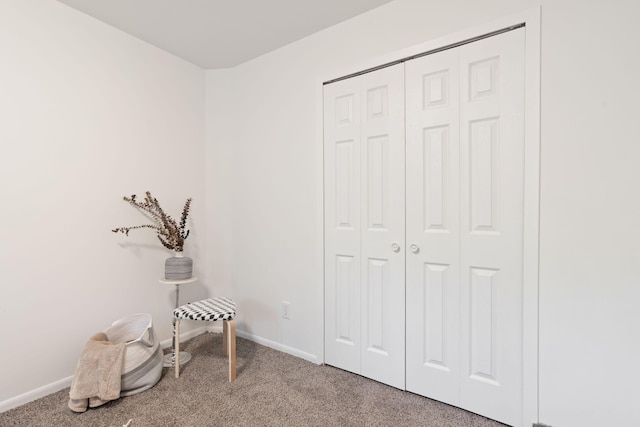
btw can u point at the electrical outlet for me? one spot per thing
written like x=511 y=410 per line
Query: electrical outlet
x=285 y=310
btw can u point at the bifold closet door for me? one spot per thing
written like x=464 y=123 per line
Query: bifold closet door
x=433 y=226
x=465 y=190
x=364 y=225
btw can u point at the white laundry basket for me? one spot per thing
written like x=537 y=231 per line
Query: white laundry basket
x=142 y=365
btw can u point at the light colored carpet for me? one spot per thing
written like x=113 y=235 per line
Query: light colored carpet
x=272 y=389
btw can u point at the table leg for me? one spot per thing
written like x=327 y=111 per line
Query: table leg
x=184 y=357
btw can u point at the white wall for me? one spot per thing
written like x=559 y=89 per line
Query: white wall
x=220 y=124
x=590 y=214
x=590 y=231
x=87 y=115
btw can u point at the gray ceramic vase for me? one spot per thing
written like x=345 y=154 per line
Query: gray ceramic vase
x=178 y=267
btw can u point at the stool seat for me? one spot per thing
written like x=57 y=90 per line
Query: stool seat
x=210 y=310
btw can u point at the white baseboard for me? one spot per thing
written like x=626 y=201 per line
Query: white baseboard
x=271 y=344
x=215 y=328
x=32 y=395
x=280 y=347
x=45 y=390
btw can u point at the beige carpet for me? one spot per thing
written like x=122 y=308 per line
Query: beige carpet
x=272 y=389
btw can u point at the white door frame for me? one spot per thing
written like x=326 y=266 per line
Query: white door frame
x=531 y=19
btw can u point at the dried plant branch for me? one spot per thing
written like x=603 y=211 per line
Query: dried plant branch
x=171 y=234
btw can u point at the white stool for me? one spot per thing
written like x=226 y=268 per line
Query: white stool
x=210 y=310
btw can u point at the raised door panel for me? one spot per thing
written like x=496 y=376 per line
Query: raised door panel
x=492 y=191
x=433 y=226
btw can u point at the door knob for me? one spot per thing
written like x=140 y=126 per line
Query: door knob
x=395 y=247
x=414 y=248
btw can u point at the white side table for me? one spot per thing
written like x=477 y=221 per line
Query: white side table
x=170 y=359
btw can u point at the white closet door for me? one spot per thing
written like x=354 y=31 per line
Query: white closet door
x=492 y=194
x=433 y=223
x=383 y=226
x=465 y=183
x=364 y=225
x=342 y=224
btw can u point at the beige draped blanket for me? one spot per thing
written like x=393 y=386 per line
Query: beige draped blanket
x=98 y=374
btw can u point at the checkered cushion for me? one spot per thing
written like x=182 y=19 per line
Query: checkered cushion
x=210 y=309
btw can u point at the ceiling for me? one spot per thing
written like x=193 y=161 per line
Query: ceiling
x=221 y=33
